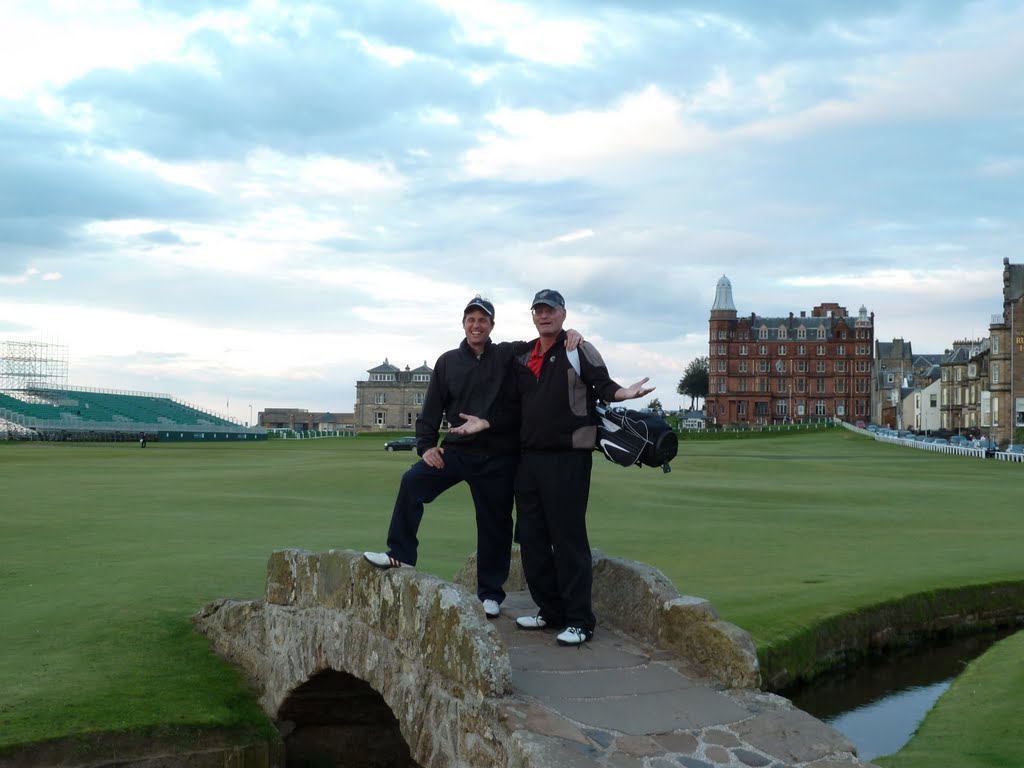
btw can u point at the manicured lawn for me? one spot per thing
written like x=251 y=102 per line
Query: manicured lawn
x=106 y=550
x=977 y=723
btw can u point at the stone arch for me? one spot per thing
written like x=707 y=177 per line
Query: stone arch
x=422 y=644
x=334 y=718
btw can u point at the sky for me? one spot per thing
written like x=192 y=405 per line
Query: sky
x=250 y=204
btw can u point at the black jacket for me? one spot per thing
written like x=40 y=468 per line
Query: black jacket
x=465 y=383
x=557 y=409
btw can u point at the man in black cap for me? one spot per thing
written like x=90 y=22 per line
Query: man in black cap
x=467 y=380
x=557 y=439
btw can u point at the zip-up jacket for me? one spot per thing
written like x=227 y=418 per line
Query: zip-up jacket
x=465 y=383
x=557 y=408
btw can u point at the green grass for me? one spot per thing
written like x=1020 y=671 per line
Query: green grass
x=977 y=722
x=106 y=550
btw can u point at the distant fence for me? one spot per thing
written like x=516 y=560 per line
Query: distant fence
x=956 y=450
x=306 y=434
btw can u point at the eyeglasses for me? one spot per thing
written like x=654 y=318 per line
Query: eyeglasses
x=544 y=309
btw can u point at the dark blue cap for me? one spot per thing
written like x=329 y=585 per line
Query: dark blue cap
x=479 y=302
x=549 y=297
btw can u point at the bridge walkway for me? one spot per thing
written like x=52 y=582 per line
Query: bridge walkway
x=618 y=702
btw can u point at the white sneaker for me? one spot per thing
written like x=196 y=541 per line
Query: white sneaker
x=574 y=636
x=531 y=622
x=491 y=609
x=384 y=560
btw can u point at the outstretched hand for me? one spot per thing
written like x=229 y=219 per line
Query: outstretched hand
x=470 y=425
x=635 y=390
x=573 y=339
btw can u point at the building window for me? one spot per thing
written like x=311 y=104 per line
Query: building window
x=743 y=349
x=840 y=407
x=762 y=366
x=743 y=366
x=721 y=349
x=890 y=378
x=780 y=386
x=763 y=332
x=819 y=407
x=801 y=350
x=419 y=398
x=408 y=418
x=801 y=407
x=382 y=377
x=821 y=350
x=380 y=398
x=741 y=409
x=782 y=349
x=801 y=333
x=933 y=400
x=781 y=408
x=762 y=350
x=721 y=385
x=840 y=366
x=801 y=366
x=959 y=374
x=761 y=408
x=841 y=350
x=819 y=386
x=782 y=332
x=801 y=385
x=862 y=349
x=721 y=335
x=379 y=418
x=995 y=344
x=743 y=385
x=972 y=371
x=841 y=386
x=821 y=332
x=820 y=366
x=995 y=373
x=862 y=366
x=421 y=377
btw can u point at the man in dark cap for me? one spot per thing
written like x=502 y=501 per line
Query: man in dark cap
x=467 y=380
x=557 y=439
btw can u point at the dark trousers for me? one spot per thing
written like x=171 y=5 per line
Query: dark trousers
x=490 y=480
x=552 y=490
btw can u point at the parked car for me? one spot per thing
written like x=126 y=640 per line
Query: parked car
x=960 y=440
x=401 y=444
x=861 y=425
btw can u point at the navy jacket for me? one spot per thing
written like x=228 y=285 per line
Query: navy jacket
x=465 y=383
x=557 y=409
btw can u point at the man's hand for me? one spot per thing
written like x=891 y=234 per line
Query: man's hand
x=573 y=339
x=635 y=391
x=470 y=425
x=434 y=457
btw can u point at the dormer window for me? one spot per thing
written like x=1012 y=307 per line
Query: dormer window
x=782 y=332
x=821 y=332
x=763 y=332
x=801 y=333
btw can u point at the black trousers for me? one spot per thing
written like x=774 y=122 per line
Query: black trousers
x=552 y=490
x=490 y=480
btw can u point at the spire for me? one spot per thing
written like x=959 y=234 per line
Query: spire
x=723 y=295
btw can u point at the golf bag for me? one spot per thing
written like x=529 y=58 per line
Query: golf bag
x=631 y=437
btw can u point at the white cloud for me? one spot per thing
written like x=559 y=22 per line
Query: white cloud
x=531 y=144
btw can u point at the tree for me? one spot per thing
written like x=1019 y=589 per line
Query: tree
x=655 y=405
x=694 y=383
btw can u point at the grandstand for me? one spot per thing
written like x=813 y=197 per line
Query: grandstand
x=36 y=403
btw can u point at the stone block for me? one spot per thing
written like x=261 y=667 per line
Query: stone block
x=630 y=594
x=516 y=581
x=335 y=578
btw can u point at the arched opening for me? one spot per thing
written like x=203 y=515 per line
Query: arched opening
x=336 y=719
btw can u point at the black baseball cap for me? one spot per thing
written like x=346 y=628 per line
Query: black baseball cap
x=479 y=302
x=549 y=297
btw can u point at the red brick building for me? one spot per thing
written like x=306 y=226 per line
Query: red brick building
x=772 y=370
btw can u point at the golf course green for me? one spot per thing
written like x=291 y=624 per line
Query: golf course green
x=106 y=550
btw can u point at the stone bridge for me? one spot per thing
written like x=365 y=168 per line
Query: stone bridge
x=363 y=667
